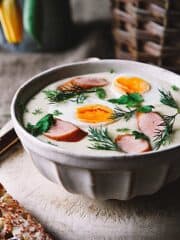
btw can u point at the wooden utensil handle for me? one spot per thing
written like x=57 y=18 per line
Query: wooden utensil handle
x=8 y=137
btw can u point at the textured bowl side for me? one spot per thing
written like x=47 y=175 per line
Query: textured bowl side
x=108 y=177
x=119 y=184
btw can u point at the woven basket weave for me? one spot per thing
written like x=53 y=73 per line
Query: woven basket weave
x=148 y=31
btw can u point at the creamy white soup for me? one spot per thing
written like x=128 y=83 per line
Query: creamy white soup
x=106 y=113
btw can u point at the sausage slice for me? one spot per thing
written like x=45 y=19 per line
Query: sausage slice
x=149 y=123
x=65 y=131
x=127 y=143
x=89 y=82
x=84 y=83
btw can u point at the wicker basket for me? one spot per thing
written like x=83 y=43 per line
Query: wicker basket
x=148 y=31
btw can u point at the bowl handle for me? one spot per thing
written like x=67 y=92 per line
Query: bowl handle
x=8 y=137
x=93 y=59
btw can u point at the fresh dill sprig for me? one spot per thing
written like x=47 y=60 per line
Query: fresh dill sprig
x=120 y=113
x=133 y=103
x=123 y=130
x=76 y=93
x=163 y=135
x=37 y=111
x=53 y=144
x=167 y=99
x=101 y=139
x=135 y=133
x=80 y=98
x=140 y=135
x=58 y=96
x=169 y=121
x=57 y=113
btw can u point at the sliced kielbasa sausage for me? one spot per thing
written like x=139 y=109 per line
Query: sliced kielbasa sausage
x=150 y=123
x=127 y=143
x=65 y=131
x=84 y=83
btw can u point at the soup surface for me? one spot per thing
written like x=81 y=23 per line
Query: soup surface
x=106 y=113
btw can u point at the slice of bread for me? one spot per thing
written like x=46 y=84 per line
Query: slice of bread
x=16 y=223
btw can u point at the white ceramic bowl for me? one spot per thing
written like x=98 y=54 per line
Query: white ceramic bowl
x=103 y=177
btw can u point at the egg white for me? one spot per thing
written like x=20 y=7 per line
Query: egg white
x=150 y=97
x=68 y=110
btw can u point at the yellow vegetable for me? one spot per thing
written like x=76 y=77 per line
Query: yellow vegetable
x=11 y=21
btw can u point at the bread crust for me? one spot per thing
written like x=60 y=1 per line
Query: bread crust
x=16 y=223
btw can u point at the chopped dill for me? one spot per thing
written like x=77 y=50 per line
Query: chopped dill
x=101 y=140
x=37 y=111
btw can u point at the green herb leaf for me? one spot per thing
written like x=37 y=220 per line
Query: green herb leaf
x=111 y=70
x=101 y=93
x=122 y=100
x=175 y=88
x=37 y=111
x=119 y=113
x=145 y=109
x=101 y=139
x=130 y=100
x=136 y=97
x=167 y=99
x=80 y=98
x=57 y=113
x=163 y=136
x=133 y=100
x=140 y=135
x=58 y=96
x=123 y=130
x=51 y=143
x=77 y=94
x=41 y=126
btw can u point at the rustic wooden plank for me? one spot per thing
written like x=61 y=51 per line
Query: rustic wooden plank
x=72 y=217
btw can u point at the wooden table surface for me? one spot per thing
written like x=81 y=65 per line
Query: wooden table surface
x=72 y=217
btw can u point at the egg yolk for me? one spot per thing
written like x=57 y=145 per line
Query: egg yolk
x=94 y=113
x=131 y=84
